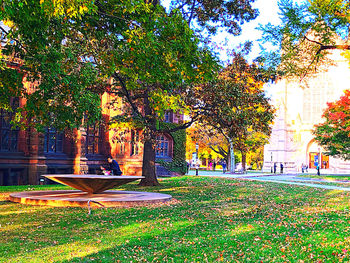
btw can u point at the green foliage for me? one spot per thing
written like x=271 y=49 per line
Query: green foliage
x=210 y=16
x=11 y=78
x=38 y=44
x=239 y=108
x=307 y=34
x=178 y=163
x=158 y=64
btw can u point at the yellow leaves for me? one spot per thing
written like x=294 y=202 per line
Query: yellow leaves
x=8 y=23
x=250 y=80
x=121 y=125
x=68 y=8
x=83 y=9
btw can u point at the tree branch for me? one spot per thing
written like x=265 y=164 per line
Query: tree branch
x=126 y=93
x=192 y=12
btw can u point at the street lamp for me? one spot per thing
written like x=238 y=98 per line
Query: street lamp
x=197 y=147
x=319 y=164
x=232 y=156
x=271 y=163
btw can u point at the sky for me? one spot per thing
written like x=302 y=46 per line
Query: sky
x=268 y=10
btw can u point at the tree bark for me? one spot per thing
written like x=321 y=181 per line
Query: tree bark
x=149 y=153
x=149 y=164
x=244 y=157
x=228 y=160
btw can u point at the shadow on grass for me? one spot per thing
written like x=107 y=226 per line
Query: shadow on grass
x=5 y=202
x=215 y=220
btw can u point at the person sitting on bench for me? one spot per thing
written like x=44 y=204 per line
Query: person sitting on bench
x=113 y=167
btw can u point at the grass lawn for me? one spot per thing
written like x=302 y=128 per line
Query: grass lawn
x=211 y=219
x=327 y=177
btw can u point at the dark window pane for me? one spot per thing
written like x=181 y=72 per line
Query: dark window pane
x=14 y=139
x=53 y=142
x=162 y=149
x=4 y=140
x=92 y=139
x=5 y=123
x=59 y=142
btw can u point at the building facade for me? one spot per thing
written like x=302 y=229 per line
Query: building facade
x=300 y=105
x=27 y=154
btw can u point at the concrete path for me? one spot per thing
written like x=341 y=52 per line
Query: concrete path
x=292 y=179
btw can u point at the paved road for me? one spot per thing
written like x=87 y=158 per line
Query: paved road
x=282 y=179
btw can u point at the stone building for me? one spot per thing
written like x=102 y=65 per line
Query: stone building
x=300 y=105
x=27 y=154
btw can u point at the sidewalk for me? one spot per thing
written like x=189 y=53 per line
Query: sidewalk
x=292 y=179
x=219 y=173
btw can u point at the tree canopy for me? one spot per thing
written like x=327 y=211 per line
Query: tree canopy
x=72 y=53
x=308 y=32
x=38 y=47
x=334 y=133
x=239 y=108
x=212 y=15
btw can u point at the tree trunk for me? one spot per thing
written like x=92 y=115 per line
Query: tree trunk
x=148 y=164
x=229 y=163
x=227 y=160
x=244 y=157
x=149 y=153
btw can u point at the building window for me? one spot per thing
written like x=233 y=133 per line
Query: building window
x=53 y=141
x=162 y=149
x=8 y=133
x=122 y=148
x=168 y=116
x=93 y=139
x=135 y=139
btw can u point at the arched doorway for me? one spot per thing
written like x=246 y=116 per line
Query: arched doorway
x=315 y=156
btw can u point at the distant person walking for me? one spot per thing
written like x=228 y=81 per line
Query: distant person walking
x=214 y=165
x=281 y=165
x=210 y=166
x=274 y=167
x=318 y=169
x=223 y=167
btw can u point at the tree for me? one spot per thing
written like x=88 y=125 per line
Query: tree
x=212 y=15
x=59 y=86
x=256 y=158
x=307 y=34
x=157 y=67
x=151 y=58
x=334 y=133
x=239 y=109
x=73 y=50
x=210 y=141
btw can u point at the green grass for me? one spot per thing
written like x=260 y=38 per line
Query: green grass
x=327 y=177
x=209 y=220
